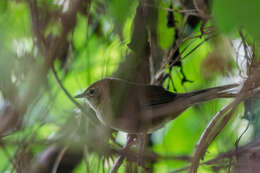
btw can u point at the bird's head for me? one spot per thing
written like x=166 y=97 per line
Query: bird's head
x=98 y=98
x=96 y=93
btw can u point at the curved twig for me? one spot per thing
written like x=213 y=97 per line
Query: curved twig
x=58 y=160
x=215 y=126
x=91 y=118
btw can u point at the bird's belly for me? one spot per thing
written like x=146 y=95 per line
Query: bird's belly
x=132 y=120
x=136 y=124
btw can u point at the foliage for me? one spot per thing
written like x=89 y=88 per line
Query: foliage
x=53 y=50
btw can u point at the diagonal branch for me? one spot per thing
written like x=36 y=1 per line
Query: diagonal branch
x=90 y=115
x=216 y=125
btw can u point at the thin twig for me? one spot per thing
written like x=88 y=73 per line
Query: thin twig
x=239 y=138
x=120 y=159
x=188 y=11
x=92 y=119
x=212 y=130
x=117 y=164
x=174 y=49
x=199 y=8
x=58 y=160
x=215 y=126
x=197 y=46
x=252 y=148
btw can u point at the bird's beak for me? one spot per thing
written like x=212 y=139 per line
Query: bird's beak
x=79 y=96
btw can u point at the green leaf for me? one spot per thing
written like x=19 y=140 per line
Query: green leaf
x=233 y=14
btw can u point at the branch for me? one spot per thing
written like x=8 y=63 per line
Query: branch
x=202 y=8
x=120 y=159
x=117 y=164
x=215 y=126
x=92 y=117
x=249 y=148
x=58 y=159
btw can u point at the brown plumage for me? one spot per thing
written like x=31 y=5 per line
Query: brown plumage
x=136 y=108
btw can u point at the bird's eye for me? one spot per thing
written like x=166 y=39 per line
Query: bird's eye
x=91 y=92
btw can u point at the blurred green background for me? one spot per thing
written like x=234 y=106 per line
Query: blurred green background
x=98 y=43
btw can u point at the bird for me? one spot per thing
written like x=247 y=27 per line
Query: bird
x=142 y=108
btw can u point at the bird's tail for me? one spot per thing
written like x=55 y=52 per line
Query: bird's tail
x=183 y=101
x=210 y=93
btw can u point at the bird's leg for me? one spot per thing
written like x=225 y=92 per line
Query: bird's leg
x=131 y=140
x=141 y=138
x=140 y=141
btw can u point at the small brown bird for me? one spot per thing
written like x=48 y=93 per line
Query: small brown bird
x=137 y=108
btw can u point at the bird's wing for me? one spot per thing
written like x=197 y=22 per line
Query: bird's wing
x=144 y=95
x=156 y=95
